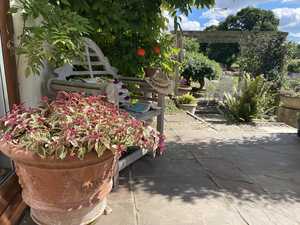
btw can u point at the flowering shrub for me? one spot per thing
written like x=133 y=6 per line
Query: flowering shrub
x=75 y=125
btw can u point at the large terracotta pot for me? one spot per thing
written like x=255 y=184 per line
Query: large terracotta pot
x=63 y=192
x=290 y=102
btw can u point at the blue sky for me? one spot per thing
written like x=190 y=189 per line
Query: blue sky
x=288 y=11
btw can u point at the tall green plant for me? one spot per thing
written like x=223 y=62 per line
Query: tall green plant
x=49 y=34
x=197 y=67
x=253 y=100
x=121 y=27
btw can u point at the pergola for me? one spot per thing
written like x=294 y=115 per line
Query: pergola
x=240 y=37
x=243 y=38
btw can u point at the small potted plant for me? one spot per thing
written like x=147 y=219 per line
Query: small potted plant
x=197 y=67
x=187 y=102
x=65 y=152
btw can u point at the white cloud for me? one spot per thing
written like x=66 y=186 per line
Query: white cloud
x=285 y=1
x=297 y=35
x=217 y=13
x=212 y=22
x=186 y=23
x=289 y=19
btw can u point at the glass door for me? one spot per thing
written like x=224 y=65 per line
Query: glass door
x=6 y=167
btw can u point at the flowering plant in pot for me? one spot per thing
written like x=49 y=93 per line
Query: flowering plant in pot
x=65 y=152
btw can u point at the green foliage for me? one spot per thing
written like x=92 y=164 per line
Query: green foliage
x=50 y=34
x=191 y=44
x=265 y=56
x=251 y=19
x=121 y=27
x=224 y=53
x=254 y=100
x=247 y=19
x=294 y=66
x=197 y=67
x=293 y=50
x=118 y=27
x=291 y=83
x=166 y=59
x=186 y=99
x=291 y=87
x=171 y=107
x=74 y=125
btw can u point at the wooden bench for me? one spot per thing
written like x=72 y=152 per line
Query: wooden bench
x=95 y=64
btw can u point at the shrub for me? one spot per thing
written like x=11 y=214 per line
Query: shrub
x=254 y=100
x=191 y=44
x=186 y=99
x=294 y=66
x=75 y=125
x=197 y=67
x=291 y=84
x=265 y=55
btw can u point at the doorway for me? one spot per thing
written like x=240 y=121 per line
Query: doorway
x=6 y=167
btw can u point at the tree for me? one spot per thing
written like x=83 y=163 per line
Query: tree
x=248 y=19
x=251 y=19
x=121 y=27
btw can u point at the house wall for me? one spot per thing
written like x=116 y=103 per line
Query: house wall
x=30 y=88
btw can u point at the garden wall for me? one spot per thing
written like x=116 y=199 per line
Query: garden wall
x=288 y=116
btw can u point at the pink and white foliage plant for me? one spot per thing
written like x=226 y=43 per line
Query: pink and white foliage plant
x=74 y=125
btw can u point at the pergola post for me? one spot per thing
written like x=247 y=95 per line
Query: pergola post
x=179 y=45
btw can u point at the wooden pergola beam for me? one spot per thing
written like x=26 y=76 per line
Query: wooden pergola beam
x=230 y=36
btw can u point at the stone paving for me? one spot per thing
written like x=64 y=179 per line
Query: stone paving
x=212 y=174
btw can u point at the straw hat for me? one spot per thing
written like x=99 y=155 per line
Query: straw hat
x=160 y=83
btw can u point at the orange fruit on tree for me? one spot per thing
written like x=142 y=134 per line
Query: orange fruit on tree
x=140 y=52
x=156 y=49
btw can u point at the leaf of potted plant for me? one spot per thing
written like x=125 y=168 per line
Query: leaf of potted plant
x=187 y=102
x=65 y=152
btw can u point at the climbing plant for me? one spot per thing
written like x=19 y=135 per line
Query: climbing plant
x=49 y=34
x=54 y=29
x=121 y=27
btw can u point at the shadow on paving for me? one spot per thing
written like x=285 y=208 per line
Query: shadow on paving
x=251 y=169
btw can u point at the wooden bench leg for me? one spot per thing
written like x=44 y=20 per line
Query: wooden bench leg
x=116 y=177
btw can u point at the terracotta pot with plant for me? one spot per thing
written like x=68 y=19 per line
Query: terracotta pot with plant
x=187 y=102
x=65 y=152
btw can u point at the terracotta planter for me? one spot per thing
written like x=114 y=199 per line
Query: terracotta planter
x=63 y=192
x=188 y=107
x=182 y=90
x=290 y=102
x=150 y=72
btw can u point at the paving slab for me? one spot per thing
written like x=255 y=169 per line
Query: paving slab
x=212 y=174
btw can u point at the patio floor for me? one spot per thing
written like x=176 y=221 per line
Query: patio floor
x=212 y=174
